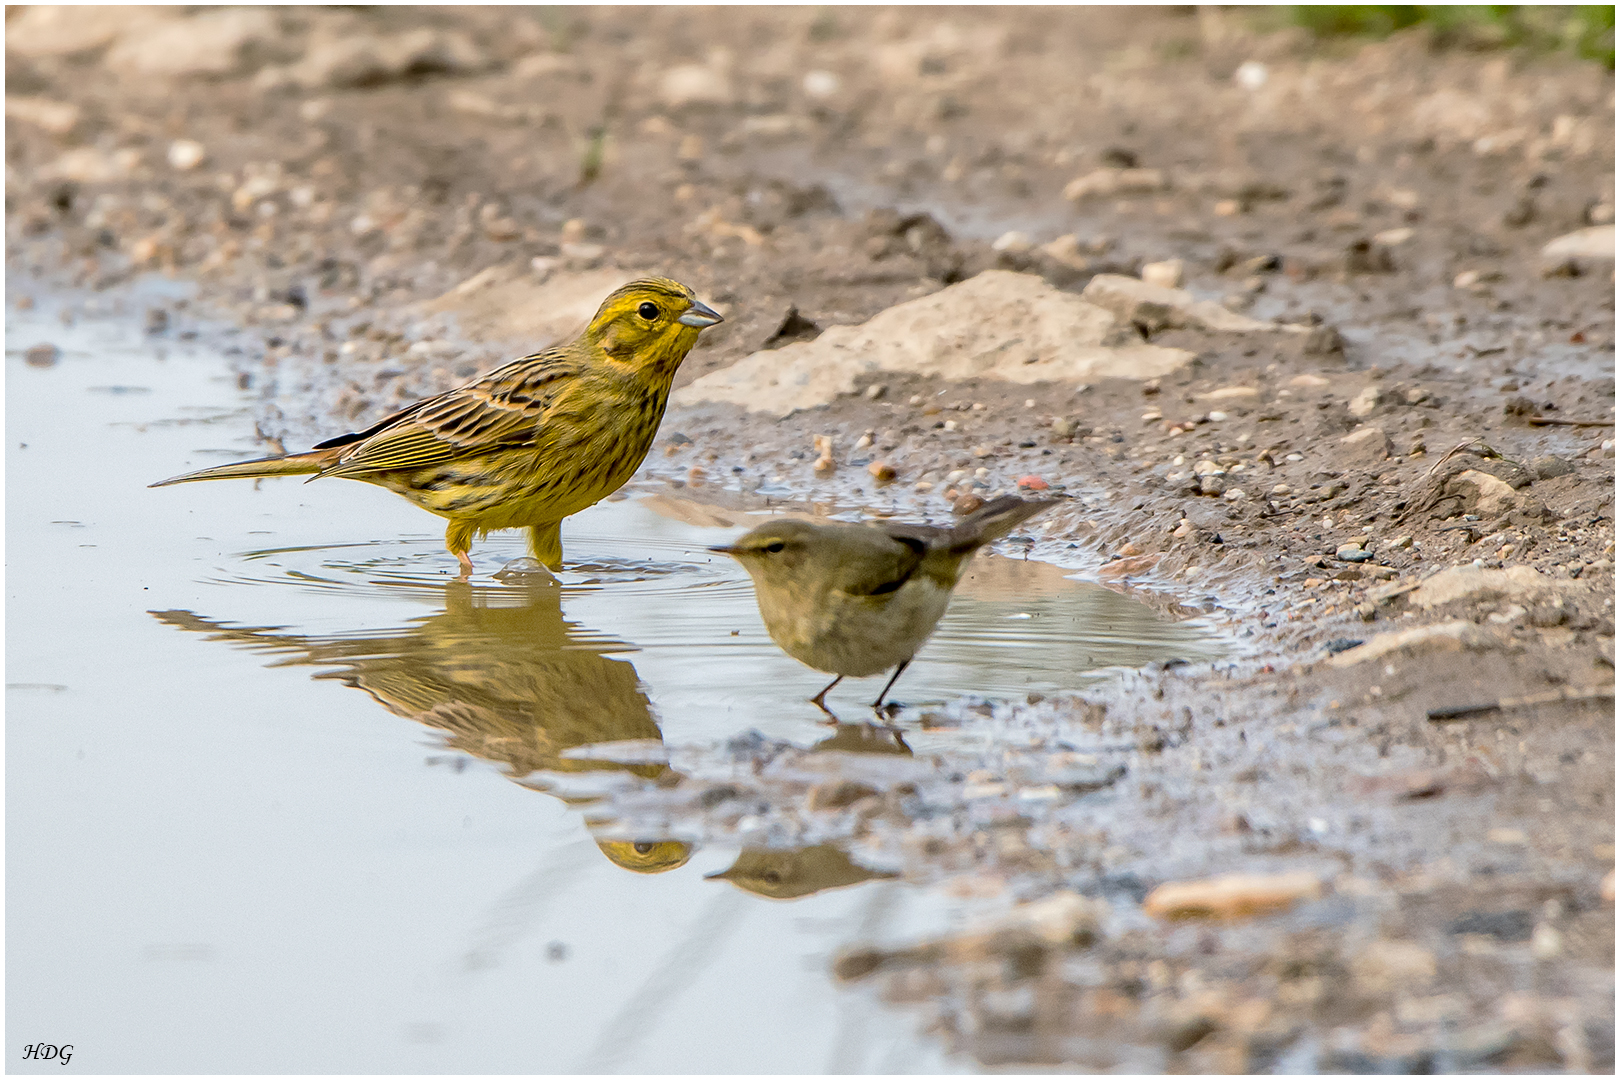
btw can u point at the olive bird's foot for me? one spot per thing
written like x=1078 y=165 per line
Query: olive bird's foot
x=820 y=700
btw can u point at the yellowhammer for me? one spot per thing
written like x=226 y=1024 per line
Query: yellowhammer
x=530 y=443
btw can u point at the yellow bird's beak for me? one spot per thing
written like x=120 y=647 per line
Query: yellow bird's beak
x=700 y=315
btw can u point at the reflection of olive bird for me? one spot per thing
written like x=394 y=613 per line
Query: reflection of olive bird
x=858 y=600
x=785 y=875
x=865 y=739
x=510 y=684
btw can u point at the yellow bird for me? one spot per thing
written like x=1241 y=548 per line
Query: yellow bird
x=530 y=443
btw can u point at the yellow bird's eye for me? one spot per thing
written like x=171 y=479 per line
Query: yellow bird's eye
x=648 y=311
x=775 y=547
x=644 y=847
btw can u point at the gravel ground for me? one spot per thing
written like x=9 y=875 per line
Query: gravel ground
x=1404 y=506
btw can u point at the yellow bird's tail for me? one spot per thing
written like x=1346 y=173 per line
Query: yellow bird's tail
x=304 y=464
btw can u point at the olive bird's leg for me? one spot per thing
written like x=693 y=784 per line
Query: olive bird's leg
x=878 y=704
x=819 y=702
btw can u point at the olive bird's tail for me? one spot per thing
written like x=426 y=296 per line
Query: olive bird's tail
x=994 y=520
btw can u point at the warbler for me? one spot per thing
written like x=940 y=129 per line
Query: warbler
x=530 y=443
x=787 y=875
x=856 y=600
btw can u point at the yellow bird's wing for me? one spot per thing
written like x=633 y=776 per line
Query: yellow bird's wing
x=505 y=408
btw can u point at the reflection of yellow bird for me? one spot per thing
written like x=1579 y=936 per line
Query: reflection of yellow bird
x=510 y=684
x=646 y=856
x=858 y=600
x=530 y=443
x=785 y=875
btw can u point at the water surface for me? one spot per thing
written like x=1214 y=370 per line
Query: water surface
x=260 y=803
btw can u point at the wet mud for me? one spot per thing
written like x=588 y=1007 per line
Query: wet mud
x=1370 y=828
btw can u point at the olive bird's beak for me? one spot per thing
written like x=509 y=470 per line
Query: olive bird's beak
x=724 y=550
x=700 y=315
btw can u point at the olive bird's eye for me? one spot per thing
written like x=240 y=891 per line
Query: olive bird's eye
x=644 y=847
x=648 y=311
x=775 y=546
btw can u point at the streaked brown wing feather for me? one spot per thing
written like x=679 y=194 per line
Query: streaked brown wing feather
x=505 y=408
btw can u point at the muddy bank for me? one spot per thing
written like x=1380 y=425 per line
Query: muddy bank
x=1391 y=479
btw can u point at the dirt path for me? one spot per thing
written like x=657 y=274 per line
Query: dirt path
x=1397 y=495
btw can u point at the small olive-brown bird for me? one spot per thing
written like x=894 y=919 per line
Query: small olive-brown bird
x=857 y=600
x=530 y=443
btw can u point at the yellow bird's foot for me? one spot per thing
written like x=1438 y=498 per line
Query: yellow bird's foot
x=466 y=565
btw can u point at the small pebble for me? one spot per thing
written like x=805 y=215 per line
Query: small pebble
x=966 y=504
x=1166 y=274
x=186 y=154
x=1352 y=553
x=1032 y=483
x=882 y=472
x=1217 y=417
x=42 y=355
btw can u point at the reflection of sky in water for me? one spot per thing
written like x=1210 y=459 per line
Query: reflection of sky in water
x=217 y=863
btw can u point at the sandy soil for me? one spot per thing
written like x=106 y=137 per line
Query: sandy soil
x=1403 y=509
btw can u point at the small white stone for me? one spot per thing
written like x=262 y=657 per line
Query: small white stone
x=1167 y=274
x=1251 y=75
x=1013 y=241
x=1217 y=417
x=820 y=84
x=186 y=154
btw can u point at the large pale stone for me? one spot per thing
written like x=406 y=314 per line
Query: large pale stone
x=1231 y=896
x=998 y=325
x=1596 y=242
x=506 y=303
x=40 y=30
x=212 y=43
x=1443 y=637
x=1478 y=583
x=1155 y=308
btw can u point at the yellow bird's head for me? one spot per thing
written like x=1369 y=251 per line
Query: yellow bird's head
x=652 y=322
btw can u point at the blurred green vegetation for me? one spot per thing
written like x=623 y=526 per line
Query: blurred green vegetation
x=1584 y=31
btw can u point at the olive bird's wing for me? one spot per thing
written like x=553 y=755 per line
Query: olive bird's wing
x=872 y=562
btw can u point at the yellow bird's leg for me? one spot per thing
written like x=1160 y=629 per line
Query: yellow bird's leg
x=457 y=540
x=545 y=544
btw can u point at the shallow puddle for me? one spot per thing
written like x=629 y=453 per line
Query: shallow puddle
x=220 y=858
